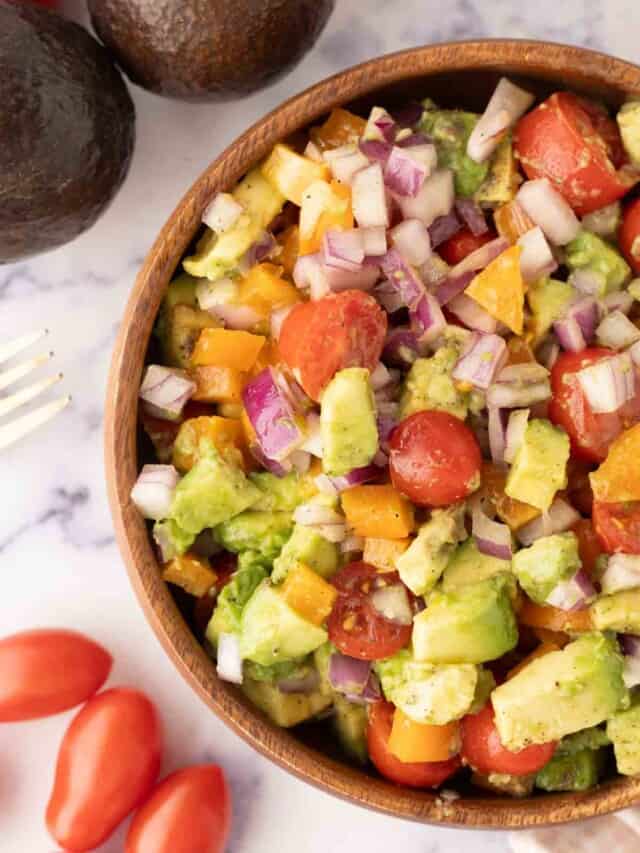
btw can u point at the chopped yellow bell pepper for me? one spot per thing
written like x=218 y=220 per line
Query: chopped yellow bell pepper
x=225 y=433
x=514 y=513
x=324 y=206
x=269 y=356
x=291 y=173
x=191 y=573
x=218 y=384
x=379 y=512
x=290 y=242
x=499 y=289
x=308 y=594
x=265 y=291
x=382 y=553
x=553 y=619
x=341 y=128
x=618 y=478
x=227 y=348
x=416 y=742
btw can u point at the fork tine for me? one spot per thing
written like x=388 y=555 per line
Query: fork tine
x=14 y=373
x=8 y=404
x=14 y=347
x=25 y=424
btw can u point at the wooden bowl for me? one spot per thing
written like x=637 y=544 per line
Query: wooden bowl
x=457 y=74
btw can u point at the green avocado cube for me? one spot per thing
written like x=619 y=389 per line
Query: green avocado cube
x=468 y=565
x=429 y=385
x=624 y=730
x=543 y=565
x=231 y=600
x=450 y=131
x=350 y=723
x=306 y=546
x=264 y=533
x=421 y=565
x=284 y=709
x=472 y=625
x=618 y=612
x=282 y=494
x=577 y=772
x=548 y=300
x=629 y=123
x=348 y=422
x=539 y=469
x=590 y=252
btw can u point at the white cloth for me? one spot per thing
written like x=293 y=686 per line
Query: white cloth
x=619 y=833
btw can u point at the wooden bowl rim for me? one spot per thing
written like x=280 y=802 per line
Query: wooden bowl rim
x=525 y=57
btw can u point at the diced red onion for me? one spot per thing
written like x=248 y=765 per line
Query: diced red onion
x=344 y=168
x=622 y=572
x=300 y=460
x=386 y=425
x=153 y=491
x=374 y=241
x=403 y=277
x=435 y=198
x=279 y=469
x=392 y=602
x=347 y=674
x=165 y=390
x=608 y=384
x=548 y=209
x=577 y=328
x=444 y=227
x=481 y=359
x=462 y=274
x=324 y=484
x=277 y=319
x=311 y=514
x=548 y=352
x=631 y=672
x=210 y=294
x=381 y=459
x=619 y=300
x=617 y=331
x=630 y=645
x=368 y=197
x=309 y=272
x=356 y=477
x=237 y=316
x=380 y=377
x=569 y=334
x=473 y=315
x=304 y=684
x=492 y=537
x=401 y=347
x=222 y=213
x=588 y=281
x=513 y=395
x=411 y=239
x=497 y=434
x=375 y=151
x=313 y=439
x=472 y=215
x=380 y=126
x=427 y=320
x=409 y=115
x=453 y=286
x=536 y=257
x=265 y=247
x=343 y=249
x=505 y=107
x=573 y=594
x=271 y=416
x=559 y=517
x=404 y=174
x=388 y=297
x=229 y=666
x=603 y=221
x=516 y=428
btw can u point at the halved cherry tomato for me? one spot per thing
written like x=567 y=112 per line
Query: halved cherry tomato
x=588 y=544
x=427 y=774
x=579 y=490
x=629 y=235
x=456 y=248
x=188 y=812
x=483 y=749
x=577 y=147
x=355 y=626
x=617 y=526
x=108 y=761
x=434 y=459
x=44 y=672
x=590 y=434
x=340 y=330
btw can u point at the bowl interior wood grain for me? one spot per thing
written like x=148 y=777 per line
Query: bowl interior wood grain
x=457 y=74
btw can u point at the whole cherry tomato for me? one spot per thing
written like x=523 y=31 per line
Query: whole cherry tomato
x=629 y=236
x=108 y=761
x=188 y=812
x=617 y=526
x=456 y=248
x=44 y=672
x=425 y=774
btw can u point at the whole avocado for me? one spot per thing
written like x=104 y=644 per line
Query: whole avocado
x=208 y=50
x=66 y=130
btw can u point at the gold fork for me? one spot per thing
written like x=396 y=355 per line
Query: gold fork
x=19 y=427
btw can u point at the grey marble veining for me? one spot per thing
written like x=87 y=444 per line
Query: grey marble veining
x=58 y=561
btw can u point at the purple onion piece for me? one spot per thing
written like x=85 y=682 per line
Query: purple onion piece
x=348 y=675
x=376 y=150
x=630 y=644
x=355 y=478
x=271 y=415
x=453 y=285
x=415 y=138
x=408 y=115
x=403 y=174
x=472 y=216
x=402 y=277
x=427 y=320
x=443 y=228
x=481 y=359
x=303 y=684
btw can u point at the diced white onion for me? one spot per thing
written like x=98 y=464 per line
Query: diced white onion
x=368 y=197
x=374 y=241
x=411 y=239
x=622 y=572
x=505 y=107
x=548 y=209
x=222 y=213
x=211 y=294
x=380 y=376
x=516 y=428
x=345 y=161
x=154 y=489
x=608 y=383
x=313 y=152
x=536 y=258
x=434 y=199
x=277 y=319
x=559 y=517
x=603 y=221
x=392 y=602
x=229 y=665
x=617 y=331
x=312 y=514
x=165 y=390
x=313 y=441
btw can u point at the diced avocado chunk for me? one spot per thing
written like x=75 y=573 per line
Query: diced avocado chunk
x=423 y=562
x=501 y=184
x=213 y=491
x=590 y=252
x=624 y=730
x=468 y=565
x=284 y=709
x=427 y=693
x=234 y=595
x=282 y=494
x=450 y=131
x=629 y=123
x=217 y=256
x=484 y=687
x=505 y=783
x=171 y=538
x=618 y=612
x=350 y=725
x=321 y=658
x=429 y=385
x=262 y=532
x=540 y=466
x=472 y=625
x=306 y=546
x=271 y=631
x=577 y=772
x=561 y=693
x=543 y=565
x=277 y=671
x=592 y=738
x=348 y=422
x=179 y=331
x=548 y=300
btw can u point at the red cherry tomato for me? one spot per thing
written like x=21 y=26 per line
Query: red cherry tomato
x=355 y=626
x=188 y=812
x=341 y=330
x=590 y=434
x=426 y=774
x=617 y=526
x=588 y=544
x=483 y=750
x=629 y=235
x=108 y=761
x=435 y=459
x=45 y=672
x=456 y=248
x=579 y=489
x=574 y=144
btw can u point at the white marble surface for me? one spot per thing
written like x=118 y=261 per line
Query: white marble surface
x=58 y=561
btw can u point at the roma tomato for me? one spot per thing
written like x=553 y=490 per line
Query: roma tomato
x=629 y=235
x=108 y=761
x=434 y=459
x=188 y=812
x=574 y=144
x=483 y=750
x=45 y=672
x=588 y=544
x=340 y=330
x=617 y=526
x=590 y=434
x=426 y=774
x=456 y=248
x=355 y=627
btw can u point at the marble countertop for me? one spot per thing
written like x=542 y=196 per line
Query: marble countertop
x=58 y=561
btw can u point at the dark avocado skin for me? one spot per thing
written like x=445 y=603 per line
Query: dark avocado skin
x=208 y=50
x=66 y=130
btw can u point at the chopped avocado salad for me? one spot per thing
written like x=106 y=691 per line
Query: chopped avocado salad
x=394 y=409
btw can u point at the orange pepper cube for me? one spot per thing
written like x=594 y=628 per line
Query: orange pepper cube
x=415 y=742
x=382 y=553
x=290 y=242
x=499 y=289
x=540 y=651
x=227 y=348
x=379 y=512
x=265 y=290
x=191 y=573
x=341 y=128
x=225 y=433
x=218 y=384
x=618 y=478
x=554 y=619
x=291 y=173
x=324 y=206
x=308 y=594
